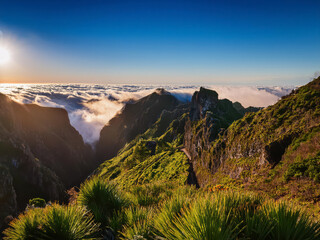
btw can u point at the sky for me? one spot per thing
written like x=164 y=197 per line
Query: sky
x=247 y=42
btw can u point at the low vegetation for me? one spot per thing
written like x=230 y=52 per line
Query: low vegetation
x=52 y=223
x=103 y=210
x=268 y=158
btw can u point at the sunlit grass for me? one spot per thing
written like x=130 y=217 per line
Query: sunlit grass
x=185 y=213
x=52 y=223
x=102 y=199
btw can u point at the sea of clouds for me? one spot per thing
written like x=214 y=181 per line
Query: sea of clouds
x=91 y=106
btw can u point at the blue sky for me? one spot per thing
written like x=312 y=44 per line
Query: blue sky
x=248 y=42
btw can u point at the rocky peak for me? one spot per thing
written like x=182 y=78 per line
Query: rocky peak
x=162 y=91
x=134 y=119
x=202 y=101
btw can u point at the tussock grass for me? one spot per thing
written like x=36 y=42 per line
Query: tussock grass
x=52 y=223
x=230 y=215
x=185 y=213
x=289 y=222
x=102 y=199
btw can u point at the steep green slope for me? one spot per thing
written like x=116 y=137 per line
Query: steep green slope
x=135 y=164
x=275 y=150
x=135 y=118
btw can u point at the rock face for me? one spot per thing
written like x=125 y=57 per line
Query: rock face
x=209 y=118
x=40 y=154
x=134 y=119
x=8 y=201
x=252 y=146
x=49 y=135
x=203 y=101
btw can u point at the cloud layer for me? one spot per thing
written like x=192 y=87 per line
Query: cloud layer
x=91 y=106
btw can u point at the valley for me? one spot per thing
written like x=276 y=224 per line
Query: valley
x=156 y=149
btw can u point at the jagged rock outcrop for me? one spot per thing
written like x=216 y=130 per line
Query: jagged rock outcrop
x=267 y=134
x=40 y=152
x=203 y=101
x=265 y=149
x=23 y=177
x=209 y=119
x=134 y=119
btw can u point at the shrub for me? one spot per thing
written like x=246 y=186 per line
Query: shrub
x=138 y=223
x=169 y=211
x=309 y=168
x=258 y=227
x=219 y=215
x=37 y=202
x=289 y=223
x=72 y=222
x=203 y=220
x=149 y=194
x=102 y=199
x=53 y=222
x=25 y=227
x=139 y=230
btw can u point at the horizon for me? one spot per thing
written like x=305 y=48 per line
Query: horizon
x=160 y=119
x=91 y=106
x=250 y=43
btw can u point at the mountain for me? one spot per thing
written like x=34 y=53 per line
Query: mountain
x=135 y=118
x=137 y=163
x=154 y=156
x=242 y=159
x=275 y=150
x=41 y=154
x=158 y=139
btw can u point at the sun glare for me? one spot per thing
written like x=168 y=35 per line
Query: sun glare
x=5 y=55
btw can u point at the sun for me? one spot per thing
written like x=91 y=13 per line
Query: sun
x=5 y=55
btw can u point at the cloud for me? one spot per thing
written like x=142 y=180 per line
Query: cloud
x=91 y=106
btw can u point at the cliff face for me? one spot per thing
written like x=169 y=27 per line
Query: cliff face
x=134 y=119
x=40 y=152
x=23 y=177
x=275 y=150
x=209 y=118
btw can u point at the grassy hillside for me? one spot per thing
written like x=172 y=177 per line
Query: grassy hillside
x=247 y=172
x=275 y=150
x=135 y=165
x=135 y=118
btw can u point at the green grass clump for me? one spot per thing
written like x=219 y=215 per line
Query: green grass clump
x=167 y=213
x=150 y=194
x=52 y=223
x=25 y=227
x=200 y=215
x=101 y=198
x=229 y=215
x=138 y=223
x=288 y=223
x=309 y=168
x=37 y=202
x=71 y=222
x=203 y=220
x=213 y=216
